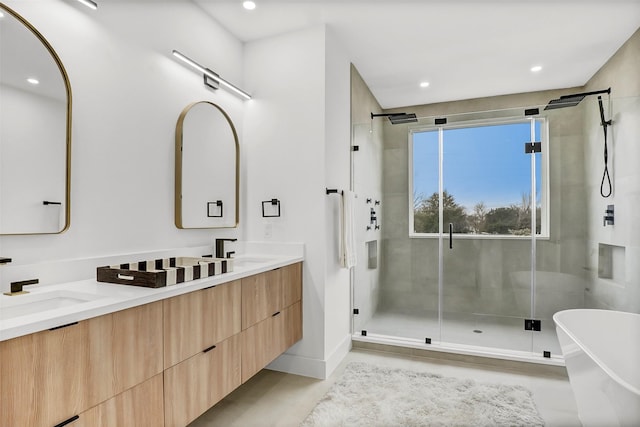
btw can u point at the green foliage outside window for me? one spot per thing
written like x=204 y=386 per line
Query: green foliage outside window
x=508 y=220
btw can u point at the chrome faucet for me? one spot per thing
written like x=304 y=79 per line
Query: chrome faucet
x=220 y=248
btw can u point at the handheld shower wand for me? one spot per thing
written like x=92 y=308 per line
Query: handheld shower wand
x=605 y=123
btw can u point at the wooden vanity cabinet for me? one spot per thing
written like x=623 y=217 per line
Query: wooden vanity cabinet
x=137 y=345
x=42 y=377
x=201 y=350
x=265 y=294
x=158 y=364
x=290 y=330
x=268 y=339
x=291 y=284
x=51 y=376
x=197 y=320
x=261 y=297
x=140 y=406
x=196 y=384
x=273 y=300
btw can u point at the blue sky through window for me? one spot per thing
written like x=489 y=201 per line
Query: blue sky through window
x=481 y=164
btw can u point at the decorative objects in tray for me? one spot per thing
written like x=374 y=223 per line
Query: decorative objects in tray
x=164 y=272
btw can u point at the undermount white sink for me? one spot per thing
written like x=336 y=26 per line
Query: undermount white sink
x=37 y=302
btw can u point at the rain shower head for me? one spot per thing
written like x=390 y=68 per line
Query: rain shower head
x=397 y=118
x=572 y=100
x=564 y=101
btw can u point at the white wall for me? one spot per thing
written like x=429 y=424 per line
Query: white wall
x=337 y=167
x=127 y=94
x=297 y=137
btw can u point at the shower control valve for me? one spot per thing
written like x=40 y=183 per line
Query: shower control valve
x=608 y=216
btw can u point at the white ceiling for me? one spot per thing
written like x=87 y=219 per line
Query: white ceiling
x=463 y=48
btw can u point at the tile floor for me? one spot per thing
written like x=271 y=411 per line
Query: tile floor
x=275 y=399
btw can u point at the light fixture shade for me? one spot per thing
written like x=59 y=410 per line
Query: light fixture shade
x=210 y=75
x=189 y=61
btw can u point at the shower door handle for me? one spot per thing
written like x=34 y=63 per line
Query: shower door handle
x=450 y=235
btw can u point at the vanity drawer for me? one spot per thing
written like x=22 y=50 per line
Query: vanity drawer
x=267 y=293
x=196 y=384
x=199 y=319
x=268 y=339
x=140 y=406
x=57 y=374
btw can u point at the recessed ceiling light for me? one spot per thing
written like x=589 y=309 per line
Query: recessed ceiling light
x=249 y=5
x=536 y=68
x=33 y=81
x=424 y=84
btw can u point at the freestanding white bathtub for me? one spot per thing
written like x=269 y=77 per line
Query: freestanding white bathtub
x=602 y=353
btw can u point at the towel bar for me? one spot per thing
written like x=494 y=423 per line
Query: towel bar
x=334 y=191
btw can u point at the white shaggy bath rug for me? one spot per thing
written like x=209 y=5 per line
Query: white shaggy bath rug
x=369 y=396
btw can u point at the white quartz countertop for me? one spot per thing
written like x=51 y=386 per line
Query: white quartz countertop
x=46 y=307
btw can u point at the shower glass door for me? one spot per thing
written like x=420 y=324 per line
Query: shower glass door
x=366 y=182
x=560 y=276
x=485 y=234
x=395 y=282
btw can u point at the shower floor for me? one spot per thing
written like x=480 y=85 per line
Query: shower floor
x=494 y=332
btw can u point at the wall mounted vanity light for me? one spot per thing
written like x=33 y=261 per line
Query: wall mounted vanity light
x=90 y=4
x=211 y=79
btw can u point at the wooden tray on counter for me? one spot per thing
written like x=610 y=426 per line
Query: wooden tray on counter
x=163 y=271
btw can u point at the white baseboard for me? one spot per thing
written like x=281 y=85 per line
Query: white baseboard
x=299 y=365
x=338 y=355
x=309 y=367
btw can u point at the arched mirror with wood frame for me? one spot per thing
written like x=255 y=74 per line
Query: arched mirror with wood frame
x=35 y=131
x=207 y=175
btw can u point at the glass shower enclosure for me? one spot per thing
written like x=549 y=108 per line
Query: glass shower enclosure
x=448 y=258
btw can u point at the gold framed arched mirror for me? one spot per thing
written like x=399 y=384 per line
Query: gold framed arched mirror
x=207 y=172
x=35 y=131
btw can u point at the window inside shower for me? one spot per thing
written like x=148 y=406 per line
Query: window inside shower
x=482 y=175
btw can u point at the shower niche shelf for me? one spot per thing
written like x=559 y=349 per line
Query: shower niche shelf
x=372 y=254
x=611 y=262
